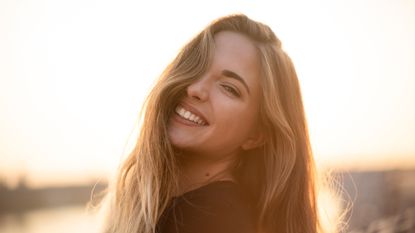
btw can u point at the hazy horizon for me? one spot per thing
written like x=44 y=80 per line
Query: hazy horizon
x=59 y=179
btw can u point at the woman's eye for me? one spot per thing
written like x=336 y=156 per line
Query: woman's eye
x=231 y=90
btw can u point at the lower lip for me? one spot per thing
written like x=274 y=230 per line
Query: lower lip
x=181 y=120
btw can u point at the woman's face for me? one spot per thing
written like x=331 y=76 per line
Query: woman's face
x=219 y=115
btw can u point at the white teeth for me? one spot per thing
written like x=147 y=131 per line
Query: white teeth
x=189 y=115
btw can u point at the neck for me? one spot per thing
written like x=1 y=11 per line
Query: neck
x=196 y=171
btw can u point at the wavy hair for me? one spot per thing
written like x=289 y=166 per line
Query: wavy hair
x=279 y=176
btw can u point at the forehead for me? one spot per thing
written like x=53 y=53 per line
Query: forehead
x=237 y=53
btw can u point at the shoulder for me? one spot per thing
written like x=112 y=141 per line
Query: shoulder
x=217 y=207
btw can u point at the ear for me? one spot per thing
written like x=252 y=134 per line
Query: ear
x=253 y=142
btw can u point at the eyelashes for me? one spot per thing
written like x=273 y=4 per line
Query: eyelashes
x=231 y=90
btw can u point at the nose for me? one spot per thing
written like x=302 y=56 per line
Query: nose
x=198 y=90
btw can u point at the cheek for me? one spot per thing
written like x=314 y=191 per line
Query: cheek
x=245 y=113
x=235 y=118
x=237 y=121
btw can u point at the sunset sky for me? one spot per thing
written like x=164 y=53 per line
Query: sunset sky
x=73 y=75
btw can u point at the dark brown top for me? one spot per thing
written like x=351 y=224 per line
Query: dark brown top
x=218 y=207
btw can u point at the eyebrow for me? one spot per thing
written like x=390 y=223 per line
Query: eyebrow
x=234 y=75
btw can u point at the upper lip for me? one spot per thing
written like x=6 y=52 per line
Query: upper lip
x=195 y=111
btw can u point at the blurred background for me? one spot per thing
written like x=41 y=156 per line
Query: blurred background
x=73 y=76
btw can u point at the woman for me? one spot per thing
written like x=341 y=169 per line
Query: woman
x=224 y=145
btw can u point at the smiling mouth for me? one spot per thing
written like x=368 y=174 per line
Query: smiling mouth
x=190 y=116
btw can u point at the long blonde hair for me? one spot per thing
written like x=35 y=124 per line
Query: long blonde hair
x=278 y=176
